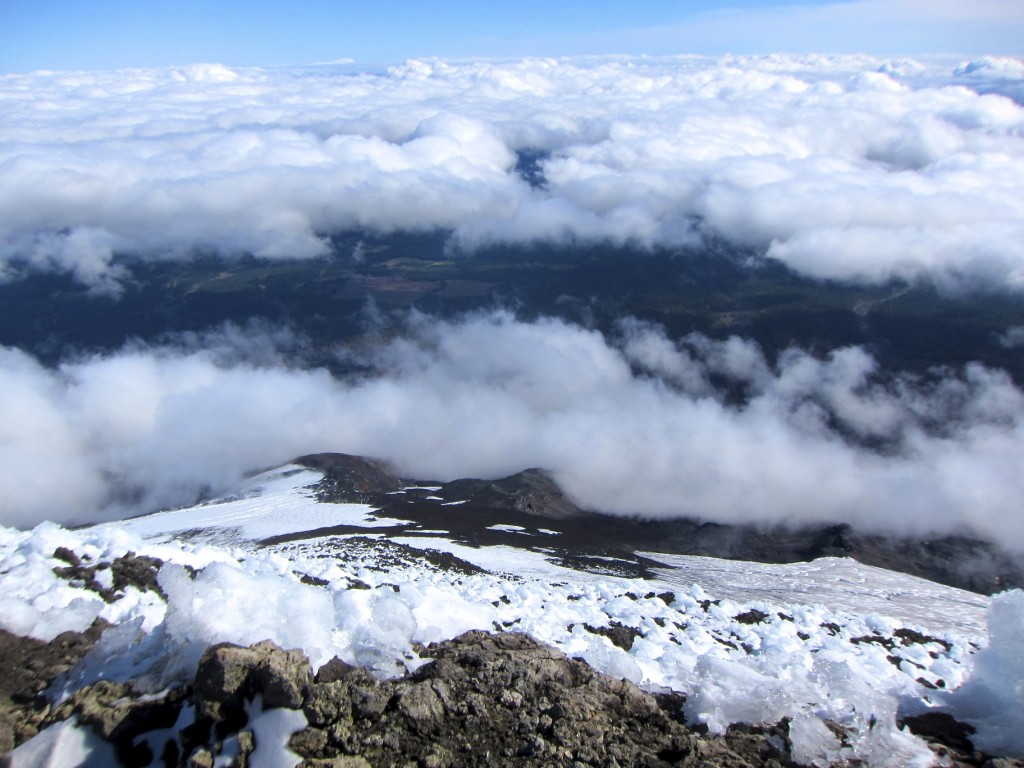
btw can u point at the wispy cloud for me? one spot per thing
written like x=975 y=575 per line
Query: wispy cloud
x=629 y=425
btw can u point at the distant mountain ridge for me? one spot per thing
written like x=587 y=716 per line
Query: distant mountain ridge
x=484 y=512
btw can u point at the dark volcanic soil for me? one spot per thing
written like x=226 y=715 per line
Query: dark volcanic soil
x=548 y=520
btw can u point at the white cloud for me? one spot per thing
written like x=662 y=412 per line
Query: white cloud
x=845 y=167
x=629 y=426
x=1013 y=337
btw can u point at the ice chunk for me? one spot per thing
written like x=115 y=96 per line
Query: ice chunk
x=224 y=603
x=992 y=698
x=731 y=692
x=442 y=614
x=813 y=743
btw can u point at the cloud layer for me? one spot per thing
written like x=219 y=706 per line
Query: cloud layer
x=634 y=424
x=848 y=168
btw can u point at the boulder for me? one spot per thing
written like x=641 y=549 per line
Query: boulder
x=228 y=675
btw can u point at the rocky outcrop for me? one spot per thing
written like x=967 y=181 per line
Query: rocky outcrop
x=353 y=478
x=532 y=492
x=228 y=676
x=473 y=512
x=129 y=570
x=505 y=699
x=29 y=667
x=119 y=714
x=483 y=699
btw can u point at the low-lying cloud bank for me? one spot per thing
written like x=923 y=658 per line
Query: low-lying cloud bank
x=844 y=167
x=636 y=424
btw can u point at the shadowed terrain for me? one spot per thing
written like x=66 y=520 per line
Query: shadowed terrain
x=529 y=510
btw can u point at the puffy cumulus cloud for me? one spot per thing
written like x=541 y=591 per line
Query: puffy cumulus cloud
x=849 y=168
x=635 y=424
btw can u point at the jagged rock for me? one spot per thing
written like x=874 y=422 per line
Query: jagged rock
x=282 y=677
x=488 y=699
x=482 y=699
x=311 y=741
x=327 y=703
x=532 y=491
x=350 y=477
x=620 y=635
x=114 y=708
x=335 y=670
x=753 y=616
x=30 y=666
x=246 y=746
x=139 y=571
x=222 y=678
x=67 y=555
x=129 y=570
x=421 y=704
x=8 y=728
x=228 y=674
x=531 y=496
x=941 y=728
x=950 y=739
x=119 y=714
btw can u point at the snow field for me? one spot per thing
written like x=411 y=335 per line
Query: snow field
x=842 y=677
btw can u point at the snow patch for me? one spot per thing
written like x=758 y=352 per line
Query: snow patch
x=813 y=642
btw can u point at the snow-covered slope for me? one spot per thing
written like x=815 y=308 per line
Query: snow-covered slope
x=823 y=643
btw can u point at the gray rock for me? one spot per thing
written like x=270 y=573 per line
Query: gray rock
x=282 y=677
x=421 y=704
x=228 y=674
x=505 y=699
x=327 y=703
x=222 y=678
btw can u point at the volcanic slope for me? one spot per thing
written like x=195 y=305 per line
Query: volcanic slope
x=837 y=654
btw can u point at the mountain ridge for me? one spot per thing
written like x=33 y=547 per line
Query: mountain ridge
x=469 y=509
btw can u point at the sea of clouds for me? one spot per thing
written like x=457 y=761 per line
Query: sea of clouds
x=634 y=423
x=845 y=167
x=842 y=167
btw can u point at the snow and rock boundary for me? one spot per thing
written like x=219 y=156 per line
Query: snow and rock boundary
x=532 y=500
x=482 y=698
x=844 y=677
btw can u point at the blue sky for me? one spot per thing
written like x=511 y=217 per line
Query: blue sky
x=102 y=34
